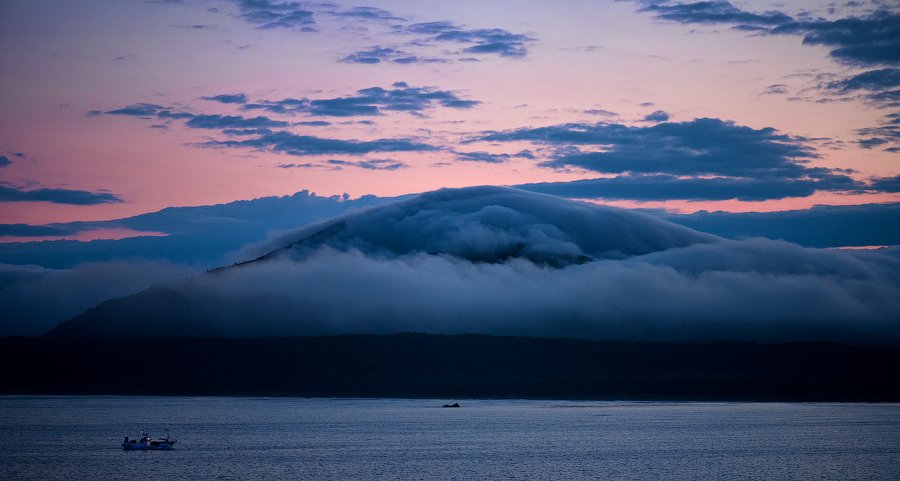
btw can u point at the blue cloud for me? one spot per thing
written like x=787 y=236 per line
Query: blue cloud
x=228 y=98
x=368 y=102
x=232 y=122
x=713 y=12
x=369 y=13
x=775 y=89
x=373 y=55
x=268 y=15
x=292 y=144
x=668 y=187
x=704 y=159
x=657 y=116
x=27 y=230
x=886 y=184
x=869 y=40
x=371 y=164
x=699 y=147
x=4 y=161
x=488 y=157
x=56 y=196
x=136 y=110
x=482 y=41
x=880 y=79
x=821 y=226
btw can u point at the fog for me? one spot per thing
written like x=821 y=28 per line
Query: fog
x=502 y=261
x=35 y=299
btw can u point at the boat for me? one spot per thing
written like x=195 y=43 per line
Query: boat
x=147 y=443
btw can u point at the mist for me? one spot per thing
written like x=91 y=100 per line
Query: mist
x=502 y=261
x=35 y=299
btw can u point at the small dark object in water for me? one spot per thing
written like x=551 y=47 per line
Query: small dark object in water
x=454 y=405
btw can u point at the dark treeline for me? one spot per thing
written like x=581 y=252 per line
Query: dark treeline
x=413 y=365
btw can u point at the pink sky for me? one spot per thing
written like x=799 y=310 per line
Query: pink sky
x=64 y=59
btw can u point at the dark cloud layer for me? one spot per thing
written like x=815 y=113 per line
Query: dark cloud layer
x=34 y=299
x=698 y=147
x=667 y=187
x=480 y=41
x=703 y=159
x=4 y=161
x=293 y=144
x=657 y=116
x=56 y=196
x=500 y=261
x=821 y=226
x=880 y=79
x=369 y=13
x=218 y=122
x=869 y=40
x=370 y=164
x=228 y=98
x=28 y=230
x=268 y=14
x=367 y=102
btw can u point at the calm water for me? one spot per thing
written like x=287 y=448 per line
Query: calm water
x=280 y=438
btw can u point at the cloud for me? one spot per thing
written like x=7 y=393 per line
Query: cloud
x=368 y=102
x=500 y=261
x=228 y=98
x=378 y=54
x=378 y=164
x=27 y=230
x=775 y=89
x=373 y=55
x=56 y=196
x=371 y=164
x=704 y=146
x=34 y=299
x=292 y=144
x=657 y=116
x=601 y=113
x=137 y=110
x=714 y=12
x=870 y=40
x=369 y=13
x=217 y=122
x=481 y=156
x=881 y=79
x=820 y=226
x=658 y=187
x=267 y=14
x=202 y=236
x=4 y=161
x=702 y=159
x=887 y=184
x=481 y=41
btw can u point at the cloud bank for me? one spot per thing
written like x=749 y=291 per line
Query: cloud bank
x=503 y=261
x=56 y=196
x=34 y=299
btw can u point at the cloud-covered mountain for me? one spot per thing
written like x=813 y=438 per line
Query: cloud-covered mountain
x=502 y=261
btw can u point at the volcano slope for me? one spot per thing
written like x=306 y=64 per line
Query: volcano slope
x=499 y=261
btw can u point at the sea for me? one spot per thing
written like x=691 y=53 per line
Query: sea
x=274 y=438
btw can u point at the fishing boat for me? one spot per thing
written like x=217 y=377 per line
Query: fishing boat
x=147 y=443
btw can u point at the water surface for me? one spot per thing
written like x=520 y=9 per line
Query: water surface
x=65 y=437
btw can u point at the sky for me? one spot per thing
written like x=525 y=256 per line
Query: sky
x=116 y=108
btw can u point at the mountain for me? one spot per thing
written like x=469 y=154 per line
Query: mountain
x=495 y=260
